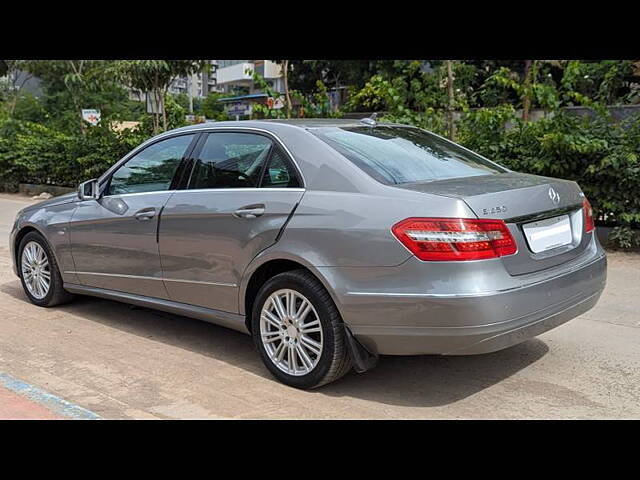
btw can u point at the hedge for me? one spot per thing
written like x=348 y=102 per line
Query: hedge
x=34 y=153
x=602 y=156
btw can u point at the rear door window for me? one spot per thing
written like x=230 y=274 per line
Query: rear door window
x=230 y=160
x=279 y=172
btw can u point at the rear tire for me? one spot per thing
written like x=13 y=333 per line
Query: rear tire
x=43 y=283
x=303 y=346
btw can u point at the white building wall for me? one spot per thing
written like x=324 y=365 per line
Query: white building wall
x=272 y=69
x=234 y=73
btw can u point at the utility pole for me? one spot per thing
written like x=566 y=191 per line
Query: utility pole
x=190 y=92
x=452 y=126
x=526 y=97
x=285 y=69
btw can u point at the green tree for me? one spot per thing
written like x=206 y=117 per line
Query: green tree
x=264 y=111
x=154 y=77
x=212 y=108
x=71 y=85
x=451 y=101
x=11 y=86
x=304 y=74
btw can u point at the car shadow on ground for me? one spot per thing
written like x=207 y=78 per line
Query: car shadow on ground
x=416 y=381
x=431 y=380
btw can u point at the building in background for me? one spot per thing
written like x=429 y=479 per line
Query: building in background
x=233 y=77
x=236 y=76
x=23 y=82
x=199 y=84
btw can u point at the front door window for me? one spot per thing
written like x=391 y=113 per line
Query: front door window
x=152 y=169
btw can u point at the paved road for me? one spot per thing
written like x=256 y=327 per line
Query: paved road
x=123 y=362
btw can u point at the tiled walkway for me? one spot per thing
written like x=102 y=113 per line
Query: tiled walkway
x=23 y=401
x=17 y=407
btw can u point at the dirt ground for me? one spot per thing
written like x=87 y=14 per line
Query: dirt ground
x=124 y=362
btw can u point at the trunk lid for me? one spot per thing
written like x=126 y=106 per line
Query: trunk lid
x=520 y=199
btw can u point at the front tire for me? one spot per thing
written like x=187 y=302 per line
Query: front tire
x=39 y=272
x=298 y=331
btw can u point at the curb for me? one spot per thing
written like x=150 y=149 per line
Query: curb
x=51 y=402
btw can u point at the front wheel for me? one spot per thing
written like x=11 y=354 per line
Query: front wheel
x=298 y=331
x=39 y=272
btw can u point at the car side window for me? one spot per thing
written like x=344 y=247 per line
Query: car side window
x=279 y=172
x=152 y=169
x=230 y=160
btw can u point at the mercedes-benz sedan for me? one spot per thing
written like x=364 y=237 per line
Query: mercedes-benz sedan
x=329 y=241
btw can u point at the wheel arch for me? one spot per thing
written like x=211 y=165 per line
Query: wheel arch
x=266 y=267
x=21 y=233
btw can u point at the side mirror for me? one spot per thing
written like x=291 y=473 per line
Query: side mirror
x=88 y=190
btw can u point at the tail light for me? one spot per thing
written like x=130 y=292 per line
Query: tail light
x=455 y=238
x=589 y=226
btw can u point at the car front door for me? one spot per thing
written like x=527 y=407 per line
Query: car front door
x=242 y=189
x=114 y=238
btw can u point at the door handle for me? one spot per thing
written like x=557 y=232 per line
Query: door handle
x=250 y=211
x=145 y=214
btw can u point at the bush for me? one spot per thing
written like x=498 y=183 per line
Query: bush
x=34 y=153
x=176 y=117
x=483 y=130
x=212 y=108
x=432 y=120
x=38 y=153
x=30 y=108
x=624 y=237
x=50 y=153
x=100 y=148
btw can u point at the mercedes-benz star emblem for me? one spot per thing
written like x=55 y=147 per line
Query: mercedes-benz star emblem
x=554 y=196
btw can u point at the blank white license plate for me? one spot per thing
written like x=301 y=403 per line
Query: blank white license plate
x=549 y=233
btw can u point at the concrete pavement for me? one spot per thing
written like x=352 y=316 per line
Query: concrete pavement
x=124 y=362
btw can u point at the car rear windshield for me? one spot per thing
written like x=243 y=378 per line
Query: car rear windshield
x=395 y=155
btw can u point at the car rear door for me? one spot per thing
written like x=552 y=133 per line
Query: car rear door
x=241 y=191
x=114 y=238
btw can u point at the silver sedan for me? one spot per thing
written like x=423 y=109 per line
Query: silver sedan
x=331 y=242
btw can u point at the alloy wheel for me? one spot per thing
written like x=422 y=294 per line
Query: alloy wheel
x=291 y=332
x=35 y=270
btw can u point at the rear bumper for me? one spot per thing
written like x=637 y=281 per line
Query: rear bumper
x=463 y=324
x=469 y=340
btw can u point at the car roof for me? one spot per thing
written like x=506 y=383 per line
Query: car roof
x=273 y=124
